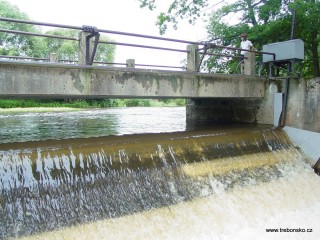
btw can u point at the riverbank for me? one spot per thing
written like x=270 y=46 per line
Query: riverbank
x=89 y=103
x=38 y=109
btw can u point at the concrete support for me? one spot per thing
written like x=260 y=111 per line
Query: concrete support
x=233 y=110
x=130 y=63
x=53 y=57
x=86 y=49
x=303 y=105
x=193 y=58
x=82 y=48
x=224 y=110
x=32 y=79
x=250 y=64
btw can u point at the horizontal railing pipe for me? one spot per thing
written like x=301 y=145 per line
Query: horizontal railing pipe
x=38 y=34
x=158 y=66
x=239 y=49
x=126 y=34
x=219 y=55
x=144 y=46
x=39 y=23
x=99 y=30
x=24 y=57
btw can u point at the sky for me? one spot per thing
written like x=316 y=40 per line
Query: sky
x=118 y=15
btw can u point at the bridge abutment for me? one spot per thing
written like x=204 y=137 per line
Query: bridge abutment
x=226 y=110
x=234 y=110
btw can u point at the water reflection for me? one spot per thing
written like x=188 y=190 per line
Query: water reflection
x=20 y=127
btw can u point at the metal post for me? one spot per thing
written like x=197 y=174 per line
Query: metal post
x=285 y=97
x=88 y=47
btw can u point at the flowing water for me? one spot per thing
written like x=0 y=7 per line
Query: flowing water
x=224 y=182
x=30 y=126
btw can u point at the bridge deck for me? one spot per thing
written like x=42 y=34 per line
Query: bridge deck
x=55 y=80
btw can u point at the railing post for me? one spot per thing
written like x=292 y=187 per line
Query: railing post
x=87 y=45
x=53 y=57
x=250 y=64
x=193 y=58
x=130 y=63
x=82 y=47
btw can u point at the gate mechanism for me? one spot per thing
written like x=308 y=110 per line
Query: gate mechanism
x=93 y=33
x=207 y=45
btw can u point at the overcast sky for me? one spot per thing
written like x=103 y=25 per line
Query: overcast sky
x=117 y=15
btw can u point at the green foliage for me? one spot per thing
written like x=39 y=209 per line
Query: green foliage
x=90 y=103
x=137 y=102
x=65 y=49
x=14 y=44
x=68 y=49
x=31 y=46
x=174 y=102
x=177 y=10
x=264 y=21
x=105 y=52
x=307 y=28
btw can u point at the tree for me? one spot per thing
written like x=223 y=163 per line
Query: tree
x=308 y=29
x=31 y=46
x=14 y=44
x=178 y=9
x=68 y=49
x=265 y=21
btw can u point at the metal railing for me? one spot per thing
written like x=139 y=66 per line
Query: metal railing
x=202 y=49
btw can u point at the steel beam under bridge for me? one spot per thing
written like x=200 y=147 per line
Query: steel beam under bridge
x=54 y=80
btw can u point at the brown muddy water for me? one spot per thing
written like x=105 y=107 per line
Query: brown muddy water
x=155 y=180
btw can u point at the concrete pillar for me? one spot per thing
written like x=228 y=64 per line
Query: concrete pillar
x=250 y=64
x=237 y=110
x=130 y=63
x=53 y=57
x=193 y=58
x=82 y=47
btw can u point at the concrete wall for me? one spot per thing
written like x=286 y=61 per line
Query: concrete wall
x=303 y=116
x=53 y=80
x=303 y=109
x=307 y=141
x=302 y=112
x=222 y=110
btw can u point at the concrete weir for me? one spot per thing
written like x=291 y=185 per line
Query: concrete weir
x=58 y=184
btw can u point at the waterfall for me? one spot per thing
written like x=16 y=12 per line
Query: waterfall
x=213 y=184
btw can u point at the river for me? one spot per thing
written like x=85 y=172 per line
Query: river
x=141 y=173
x=34 y=126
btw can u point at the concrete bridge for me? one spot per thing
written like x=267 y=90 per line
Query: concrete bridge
x=211 y=97
x=54 y=80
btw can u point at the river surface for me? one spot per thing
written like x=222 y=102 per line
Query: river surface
x=21 y=127
x=141 y=173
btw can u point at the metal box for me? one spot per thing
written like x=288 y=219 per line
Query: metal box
x=285 y=51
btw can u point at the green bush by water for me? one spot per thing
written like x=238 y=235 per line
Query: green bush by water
x=97 y=103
